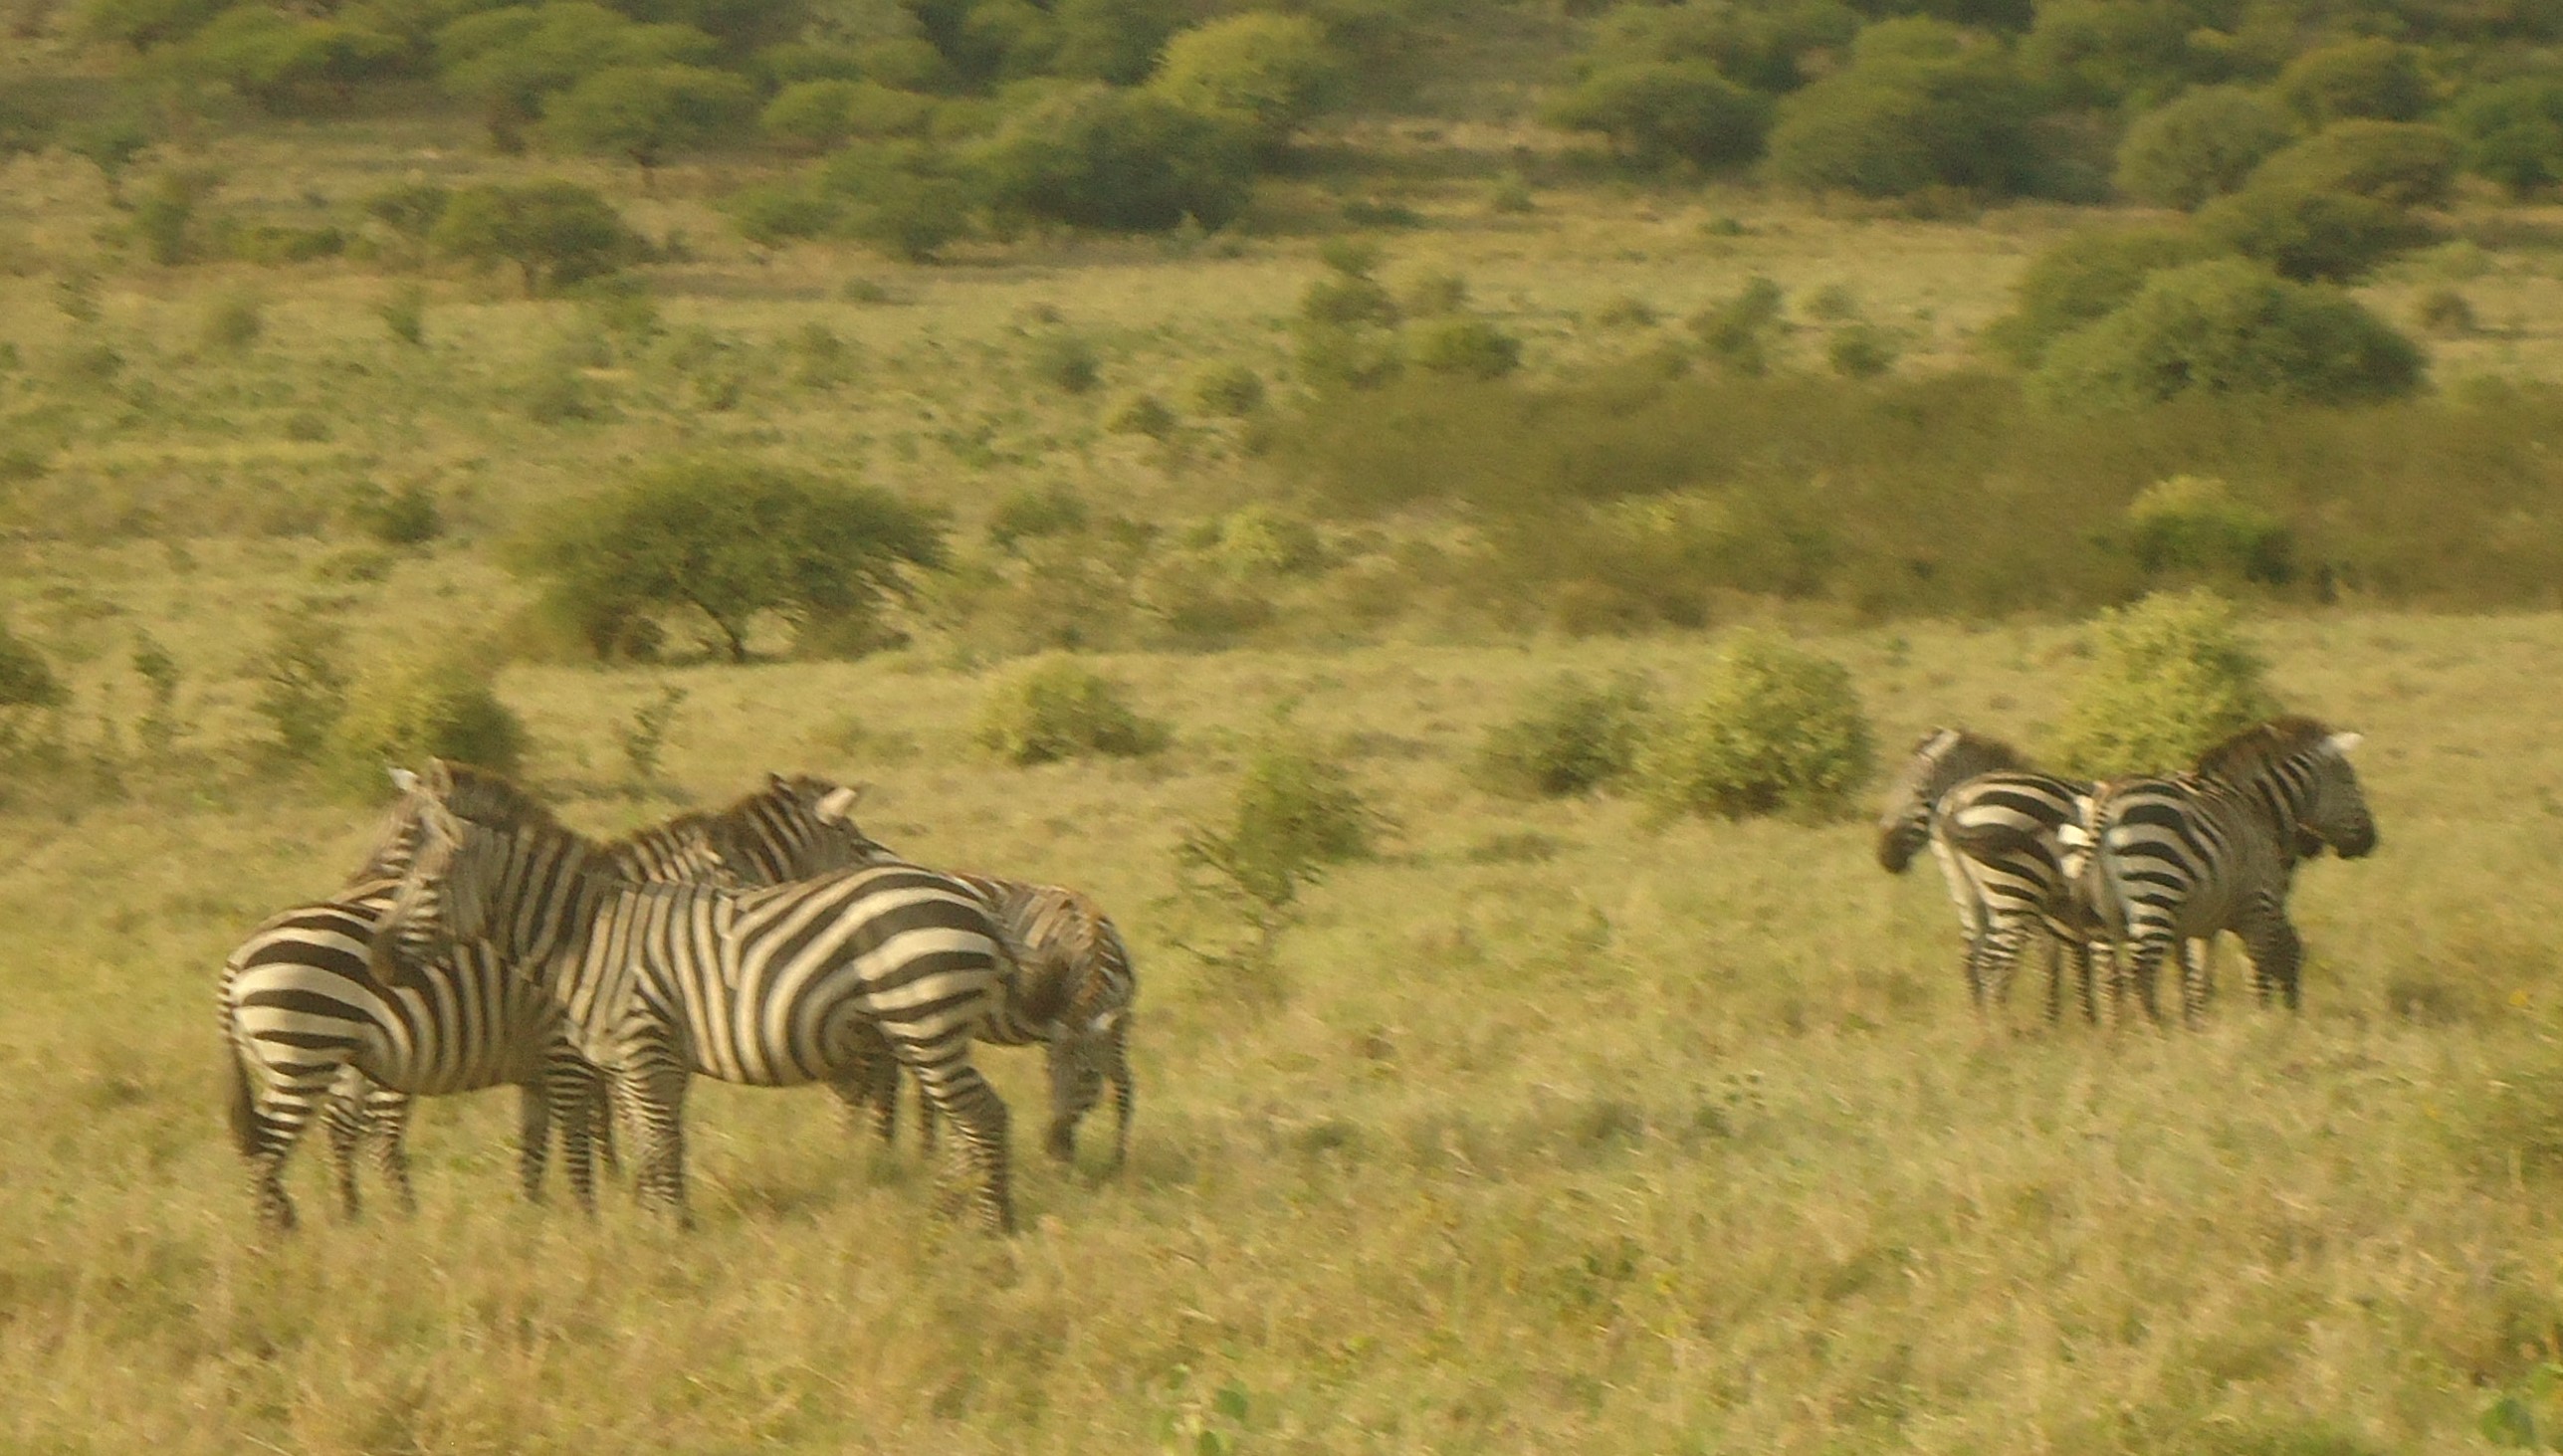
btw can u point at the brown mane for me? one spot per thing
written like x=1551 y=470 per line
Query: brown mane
x=2238 y=757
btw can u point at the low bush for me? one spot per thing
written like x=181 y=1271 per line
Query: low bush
x=2200 y=146
x=445 y=709
x=1860 y=351
x=2170 y=677
x=2196 y=526
x=1234 y=390
x=2371 y=76
x=1743 y=332
x=1294 y=815
x=557 y=233
x=1066 y=360
x=232 y=324
x=1119 y=161
x=2308 y=233
x=1466 y=346
x=2512 y=131
x=1262 y=72
x=1058 y=707
x=2397 y=163
x=1775 y=729
x=2080 y=280
x=26 y=679
x=1569 y=738
x=1658 y=112
x=1923 y=105
x=2444 y=311
x=302 y=690
x=2226 y=326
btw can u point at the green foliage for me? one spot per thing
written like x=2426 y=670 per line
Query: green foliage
x=2444 y=311
x=1057 y=709
x=907 y=199
x=647 y=111
x=1923 y=104
x=555 y=232
x=2397 y=163
x=1466 y=347
x=1066 y=360
x=289 y=65
x=1569 y=738
x=1657 y=113
x=1295 y=815
x=2226 y=326
x=1860 y=351
x=2194 y=527
x=2306 y=233
x=403 y=311
x=109 y=143
x=1119 y=161
x=447 y=709
x=1263 y=74
x=2512 y=131
x=2170 y=677
x=814 y=116
x=1775 y=729
x=1743 y=332
x=732 y=541
x=1143 y=414
x=509 y=60
x=2079 y=281
x=142 y=24
x=2105 y=54
x=1233 y=389
x=232 y=324
x=163 y=219
x=2200 y=146
x=1035 y=514
x=2373 y=77
x=407 y=516
x=303 y=685
x=26 y=679
x=2529 y=1415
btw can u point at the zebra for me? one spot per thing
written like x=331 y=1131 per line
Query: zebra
x=1072 y=955
x=2216 y=847
x=780 y=986
x=323 y=1013
x=2000 y=833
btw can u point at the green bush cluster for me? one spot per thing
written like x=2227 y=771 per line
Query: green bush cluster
x=2227 y=326
x=1567 y=737
x=446 y=708
x=1058 y=707
x=2196 y=526
x=2170 y=677
x=1776 y=729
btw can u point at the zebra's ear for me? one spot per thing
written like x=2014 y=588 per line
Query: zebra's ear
x=2341 y=743
x=401 y=778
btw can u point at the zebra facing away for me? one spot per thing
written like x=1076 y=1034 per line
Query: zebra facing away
x=2216 y=849
x=1072 y=956
x=2000 y=834
x=772 y=987
x=320 y=1009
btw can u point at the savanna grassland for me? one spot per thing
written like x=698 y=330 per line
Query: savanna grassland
x=1553 y=1125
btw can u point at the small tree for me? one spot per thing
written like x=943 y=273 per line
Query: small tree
x=509 y=59
x=2373 y=77
x=1060 y=708
x=1466 y=347
x=2397 y=163
x=811 y=115
x=1924 y=104
x=2200 y=146
x=732 y=541
x=2512 y=131
x=1777 y=730
x=647 y=111
x=446 y=708
x=1121 y=161
x=1268 y=73
x=1657 y=113
x=1295 y=815
x=2170 y=677
x=2306 y=233
x=2080 y=280
x=554 y=232
x=1570 y=738
x=2198 y=528
x=2226 y=327
x=288 y=65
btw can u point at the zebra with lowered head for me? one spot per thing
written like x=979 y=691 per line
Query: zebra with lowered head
x=327 y=1018
x=2000 y=833
x=773 y=987
x=2216 y=849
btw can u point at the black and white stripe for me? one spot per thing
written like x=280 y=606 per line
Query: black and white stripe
x=325 y=1016
x=2216 y=849
x=796 y=983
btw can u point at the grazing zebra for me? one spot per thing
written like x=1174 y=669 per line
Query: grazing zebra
x=2000 y=834
x=321 y=1009
x=2215 y=849
x=772 y=987
x=1072 y=956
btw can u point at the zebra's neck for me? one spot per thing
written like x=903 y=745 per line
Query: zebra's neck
x=2274 y=794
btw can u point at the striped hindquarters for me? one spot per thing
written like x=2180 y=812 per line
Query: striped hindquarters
x=2007 y=833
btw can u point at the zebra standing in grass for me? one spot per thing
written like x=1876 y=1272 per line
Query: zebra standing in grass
x=1071 y=957
x=2000 y=833
x=320 y=1009
x=2215 y=849
x=772 y=987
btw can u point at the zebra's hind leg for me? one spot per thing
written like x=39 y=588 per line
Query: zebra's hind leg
x=955 y=1089
x=1117 y=1071
x=652 y=1087
x=533 y=1135
x=342 y=1121
x=581 y=1105
x=2198 y=981
x=1998 y=962
x=2142 y=968
x=386 y=1131
x=266 y=1122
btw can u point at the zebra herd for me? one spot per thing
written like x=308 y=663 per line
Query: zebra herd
x=2144 y=864
x=485 y=943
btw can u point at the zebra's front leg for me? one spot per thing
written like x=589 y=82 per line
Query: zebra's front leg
x=586 y=1114
x=2143 y=964
x=2198 y=981
x=1117 y=1071
x=955 y=1089
x=343 y=1122
x=535 y=1098
x=2278 y=953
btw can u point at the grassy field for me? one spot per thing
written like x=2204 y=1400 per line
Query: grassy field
x=1550 y=1130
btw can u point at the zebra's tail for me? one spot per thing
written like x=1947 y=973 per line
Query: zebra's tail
x=244 y=1105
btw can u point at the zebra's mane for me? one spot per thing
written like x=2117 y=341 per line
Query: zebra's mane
x=2240 y=758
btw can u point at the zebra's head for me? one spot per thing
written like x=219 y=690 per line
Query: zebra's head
x=1942 y=758
x=2301 y=770
x=493 y=861
x=820 y=814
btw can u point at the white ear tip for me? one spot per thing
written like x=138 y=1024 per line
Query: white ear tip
x=401 y=778
x=2343 y=743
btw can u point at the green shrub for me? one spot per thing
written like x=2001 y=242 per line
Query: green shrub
x=26 y=679
x=1060 y=708
x=907 y=199
x=1570 y=738
x=2306 y=234
x=1776 y=729
x=2444 y=311
x=2397 y=163
x=2200 y=146
x=733 y=541
x=2512 y=131
x=2078 y=282
x=1923 y=104
x=1294 y=815
x=1233 y=389
x=1143 y=414
x=2196 y=526
x=447 y=709
x=302 y=685
x=1032 y=513
x=1066 y=360
x=1119 y=161
x=288 y=65
x=645 y=113
x=2226 y=327
x=1468 y=347
x=813 y=116
x=2170 y=677
x=2373 y=77
x=407 y=516
x=1657 y=113
x=165 y=217
x=1860 y=351
x=232 y=324
x=1743 y=331
x=1259 y=72
x=557 y=233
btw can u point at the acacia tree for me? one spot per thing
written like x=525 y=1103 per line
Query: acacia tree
x=553 y=231
x=733 y=541
x=646 y=112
